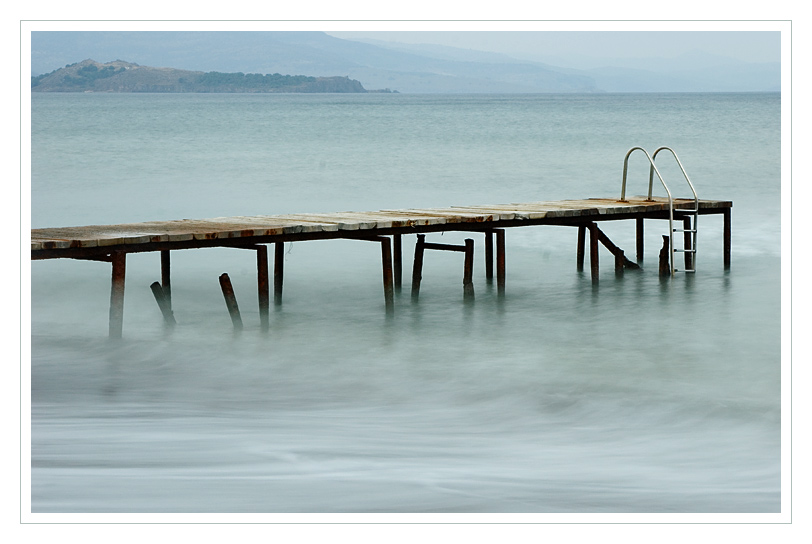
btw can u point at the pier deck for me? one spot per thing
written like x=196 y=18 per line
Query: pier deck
x=111 y=243
x=88 y=241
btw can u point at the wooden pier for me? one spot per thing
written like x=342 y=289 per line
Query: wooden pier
x=112 y=243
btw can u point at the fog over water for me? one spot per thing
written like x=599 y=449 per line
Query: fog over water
x=633 y=395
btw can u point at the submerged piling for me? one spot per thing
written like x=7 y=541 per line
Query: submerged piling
x=489 y=256
x=397 y=261
x=278 y=272
x=468 y=274
x=263 y=290
x=166 y=280
x=417 y=268
x=159 y=293
x=579 y=257
x=388 y=275
x=500 y=261
x=231 y=301
x=665 y=266
x=594 y=265
x=116 y=325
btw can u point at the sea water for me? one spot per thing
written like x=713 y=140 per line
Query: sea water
x=635 y=394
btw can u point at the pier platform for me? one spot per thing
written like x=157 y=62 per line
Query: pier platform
x=111 y=243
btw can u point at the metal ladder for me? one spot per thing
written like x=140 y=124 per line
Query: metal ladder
x=688 y=215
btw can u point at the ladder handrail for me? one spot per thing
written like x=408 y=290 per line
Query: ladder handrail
x=652 y=170
x=650 y=184
x=671 y=210
x=679 y=163
x=651 y=179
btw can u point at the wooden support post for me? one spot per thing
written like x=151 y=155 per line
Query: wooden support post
x=278 y=272
x=500 y=261
x=231 y=301
x=468 y=274
x=163 y=304
x=665 y=255
x=620 y=256
x=687 y=238
x=640 y=238
x=619 y=264
x=417 y=269
x=166 y=284
x=579 y=265
x=726 y=242
x=388 y=279
x=397 y=261
x=489 y=255
x=116 y=325
x=263 y=289
x=593 y=251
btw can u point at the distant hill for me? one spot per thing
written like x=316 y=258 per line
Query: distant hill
x=407 y=68
x=306 y=53
x=127 y=77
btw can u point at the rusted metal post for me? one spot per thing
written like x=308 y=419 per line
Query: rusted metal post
x=163 y=304
x=593 y=251
x=689 y=257
x=726 y=242
x=263 y=290
x=417 y=269
x=640 y=238
x=500 y=261
x=166 y=284
x=468 y=274
x=397 y=261
x=620 y=257
x=579 y=264
x=388 y=277
x=116 y=326
x=489 y=255
x=231 y=301
x=278 y=272
x=665 y=255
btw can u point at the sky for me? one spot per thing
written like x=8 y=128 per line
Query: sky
x=748 y=46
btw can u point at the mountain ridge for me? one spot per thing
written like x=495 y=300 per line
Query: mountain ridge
x=408 y=68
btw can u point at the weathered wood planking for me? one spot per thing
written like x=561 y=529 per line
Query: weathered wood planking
x=184 y=230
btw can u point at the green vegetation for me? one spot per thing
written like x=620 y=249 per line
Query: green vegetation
x=121 y=76
x=85 y=76
x=250 y=81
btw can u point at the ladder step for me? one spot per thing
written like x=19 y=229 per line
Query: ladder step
x=685 y=250
x=685 y=211
x=684 y=230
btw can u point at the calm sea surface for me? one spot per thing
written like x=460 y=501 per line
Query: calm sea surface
x=635 y=395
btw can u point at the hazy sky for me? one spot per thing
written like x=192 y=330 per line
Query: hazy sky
x=743 y=45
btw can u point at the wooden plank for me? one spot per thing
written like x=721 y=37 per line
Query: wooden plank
x=570 y=208
x=613 y=206
x=417 y=218
x=306 y=224
x=559 y=208
x=335 y=222
x=363 y=220
x=455 y=216
x=356 y=220
x=498 y=213
x=399 y=219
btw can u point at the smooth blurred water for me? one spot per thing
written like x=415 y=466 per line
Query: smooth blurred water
x=635 y=395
